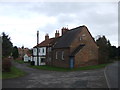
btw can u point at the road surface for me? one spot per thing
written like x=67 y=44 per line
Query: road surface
x=53 y=79
x=112 y=73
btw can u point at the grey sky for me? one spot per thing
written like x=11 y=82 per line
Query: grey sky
x=21 y=20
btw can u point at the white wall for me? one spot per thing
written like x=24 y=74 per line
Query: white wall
x=35 y=59
x=34 y=51
x=26 y=58
x=41 y=51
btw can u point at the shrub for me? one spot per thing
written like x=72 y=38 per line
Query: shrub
x=6 y=65
x=32 y=62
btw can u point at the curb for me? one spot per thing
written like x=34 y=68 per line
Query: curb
x=106 y=77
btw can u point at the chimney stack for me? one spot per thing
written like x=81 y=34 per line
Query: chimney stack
x=64 y=30
x=57 y=34
x=46 y=37
x=37 y=37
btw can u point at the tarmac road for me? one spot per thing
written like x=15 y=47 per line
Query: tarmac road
x=112 y=72
x=52 y=79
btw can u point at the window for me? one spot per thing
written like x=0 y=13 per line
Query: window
x=80 y=38
x=43 y=50
x=39 y=50
x=34 y=50
x=62 y=55
x=42 y=60
x=83 y=35
x=56 y=55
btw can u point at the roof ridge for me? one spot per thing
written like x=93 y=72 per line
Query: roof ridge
x=76 y=28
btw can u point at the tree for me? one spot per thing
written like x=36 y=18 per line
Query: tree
x=15 y=53
x=6 y=45
x=104 y=46
x=113 y=52
x=118 y=52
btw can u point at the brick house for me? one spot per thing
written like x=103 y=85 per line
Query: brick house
x=75 y=48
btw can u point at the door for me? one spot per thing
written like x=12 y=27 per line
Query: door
x=71 y=62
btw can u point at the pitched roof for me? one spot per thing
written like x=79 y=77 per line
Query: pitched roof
x=77 y=50
x=67 y=38
x=45 y=43
x=29 y=54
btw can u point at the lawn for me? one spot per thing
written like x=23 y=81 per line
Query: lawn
x=51 y=68
x=15 y=72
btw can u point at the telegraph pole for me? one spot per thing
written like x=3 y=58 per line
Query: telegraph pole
x=37 y=48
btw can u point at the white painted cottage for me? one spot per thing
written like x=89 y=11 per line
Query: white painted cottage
x=42 y=51
x=41 y=55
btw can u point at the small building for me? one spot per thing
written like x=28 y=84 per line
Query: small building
x=27 y=57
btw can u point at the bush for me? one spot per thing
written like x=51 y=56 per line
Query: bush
x=6 y=65
x=32 y=62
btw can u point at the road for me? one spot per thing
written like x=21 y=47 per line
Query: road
x=112 y=73
x=52 y=79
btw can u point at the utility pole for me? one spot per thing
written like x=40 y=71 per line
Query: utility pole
x=37 y=48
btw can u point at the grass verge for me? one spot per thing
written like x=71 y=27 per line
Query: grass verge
x=51 y=68
x=15 y=72
x=19 y=61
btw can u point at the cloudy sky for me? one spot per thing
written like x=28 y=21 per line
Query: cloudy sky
x=21 y=20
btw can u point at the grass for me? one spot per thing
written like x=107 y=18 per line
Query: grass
x=51 y=68
x=19 y=61
x=15 y=72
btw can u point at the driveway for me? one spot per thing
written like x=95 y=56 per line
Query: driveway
x=52 y=79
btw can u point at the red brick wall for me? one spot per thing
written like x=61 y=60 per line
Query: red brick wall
x=88 y=55
x=59 y=62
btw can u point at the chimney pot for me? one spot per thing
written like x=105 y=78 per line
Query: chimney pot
x=47 y=37
x=64 y=30
x=57 y=34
